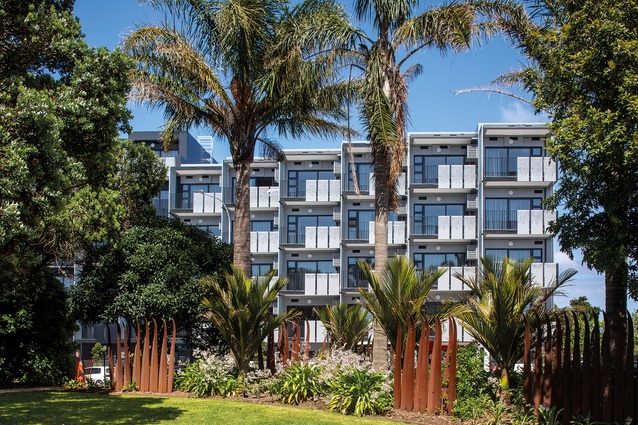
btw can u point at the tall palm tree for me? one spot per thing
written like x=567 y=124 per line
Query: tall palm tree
x=385 y=58
x=397 y=295
x=493 y=311
x=240 y=310
x=346 y=324
x=241 y=68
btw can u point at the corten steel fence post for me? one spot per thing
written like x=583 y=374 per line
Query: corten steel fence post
x=606 y=373
x=146 y=359
x=162 y=371
x=118 y=360
x=397 y=368
x=154 y=358
x=576 y=387
x=137 y=361
x=127 y=361
x=407 y=380
x=434 y=397
x=171 y=362
x=450 y=371
x=421 y=384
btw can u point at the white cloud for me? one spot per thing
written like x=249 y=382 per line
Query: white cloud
x=519 y=112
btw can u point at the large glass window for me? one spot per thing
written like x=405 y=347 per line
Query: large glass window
x=501 y=163
x=358 y=224
x=426 y=217
x=296 y=232
x=426 y=168
x=497 y=255
x=261 y=226
x=297 y=181
x=363 y=177
x=355 y=276
x=430 y=262
x=260 y=269
x=184 y=196
x=501 y=213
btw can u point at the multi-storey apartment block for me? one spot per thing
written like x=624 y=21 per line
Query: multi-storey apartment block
x=463 y=196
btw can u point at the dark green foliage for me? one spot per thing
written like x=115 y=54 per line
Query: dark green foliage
x=360 y=392
x=346 y=324
x=151 y=272
x=61 y=107
x=299 y=382
x=472 y=387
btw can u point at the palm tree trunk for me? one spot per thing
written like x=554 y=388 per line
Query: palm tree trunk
x=241 y=250
x=505 y=387
x=381 y=190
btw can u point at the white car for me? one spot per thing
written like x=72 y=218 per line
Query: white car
x=97 y=374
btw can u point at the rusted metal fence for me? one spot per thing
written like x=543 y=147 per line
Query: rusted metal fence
x=153 y=363
x=418 y=377
x=582 y=376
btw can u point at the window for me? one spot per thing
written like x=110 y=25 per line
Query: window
x=262 y=182
x=296 y=232
x=501 y=213
x=426 y=168
x=497 y=255
x=426 y=217
x=502 y=163
x=297 y=181
x=212 y=229
x=363 y=177
x=261 y=226
x=358 y=224
x=260 y=269
x=355 y=276
x=429 y=262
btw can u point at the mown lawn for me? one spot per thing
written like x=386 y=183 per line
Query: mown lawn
x=91 y=408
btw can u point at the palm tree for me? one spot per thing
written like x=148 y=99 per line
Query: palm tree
x=346 y=324
x=397 y=295
x=493 y=312
x=385 y=60
x=240 y=310
x=241 y=68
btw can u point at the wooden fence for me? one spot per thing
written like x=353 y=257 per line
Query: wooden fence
x=582 y=376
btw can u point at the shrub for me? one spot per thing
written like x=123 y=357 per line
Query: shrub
x=360 y=392
x=299 y=382
x=474 y=390
x=209 y=375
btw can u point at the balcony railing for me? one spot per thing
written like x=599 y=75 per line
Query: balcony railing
x=524 y=169
x=312 y=283
x=294 y=239
x=229 y=195
x=355 y=234
x=161 y=207
x=426 y=226
x=354 y=280
x=522 y=222
x=429 y=177
x=363 y=182
x=446 y=177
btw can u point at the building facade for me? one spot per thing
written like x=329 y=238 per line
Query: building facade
x=463 y=196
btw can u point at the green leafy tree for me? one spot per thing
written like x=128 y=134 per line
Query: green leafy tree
x=241 y=69
x=151 y=272
x=61 y=107
x=582 y=72
x=492 y=312
x=346 y=324
x=240 y=310
x=396 y=296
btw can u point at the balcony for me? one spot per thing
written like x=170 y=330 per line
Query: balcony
x=535 y=171
x=264 y=242
x=544 y=274
x=445 y=227
x=323 y=284
x=363 y=182
x=453 y=177
x=264 y=197
x=354 y=280
x=322 y=237
x=161 y=207
x=196 y=203
x=449 y=282
x=396 y=232
x=519 y=222
x=357 y=235
x=311 y=191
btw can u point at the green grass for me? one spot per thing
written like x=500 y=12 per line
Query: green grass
x=91 y=408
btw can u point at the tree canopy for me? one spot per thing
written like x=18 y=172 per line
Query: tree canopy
x=61 y=107
x=582 y=72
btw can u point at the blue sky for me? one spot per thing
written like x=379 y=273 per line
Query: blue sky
x=433 y=105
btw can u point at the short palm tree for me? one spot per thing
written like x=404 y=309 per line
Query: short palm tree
x=346 y=324
x=240 y=68
x=240 y=310
x=493 y=312
x=397 y=295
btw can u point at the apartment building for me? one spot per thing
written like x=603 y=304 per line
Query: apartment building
x=462 y=196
